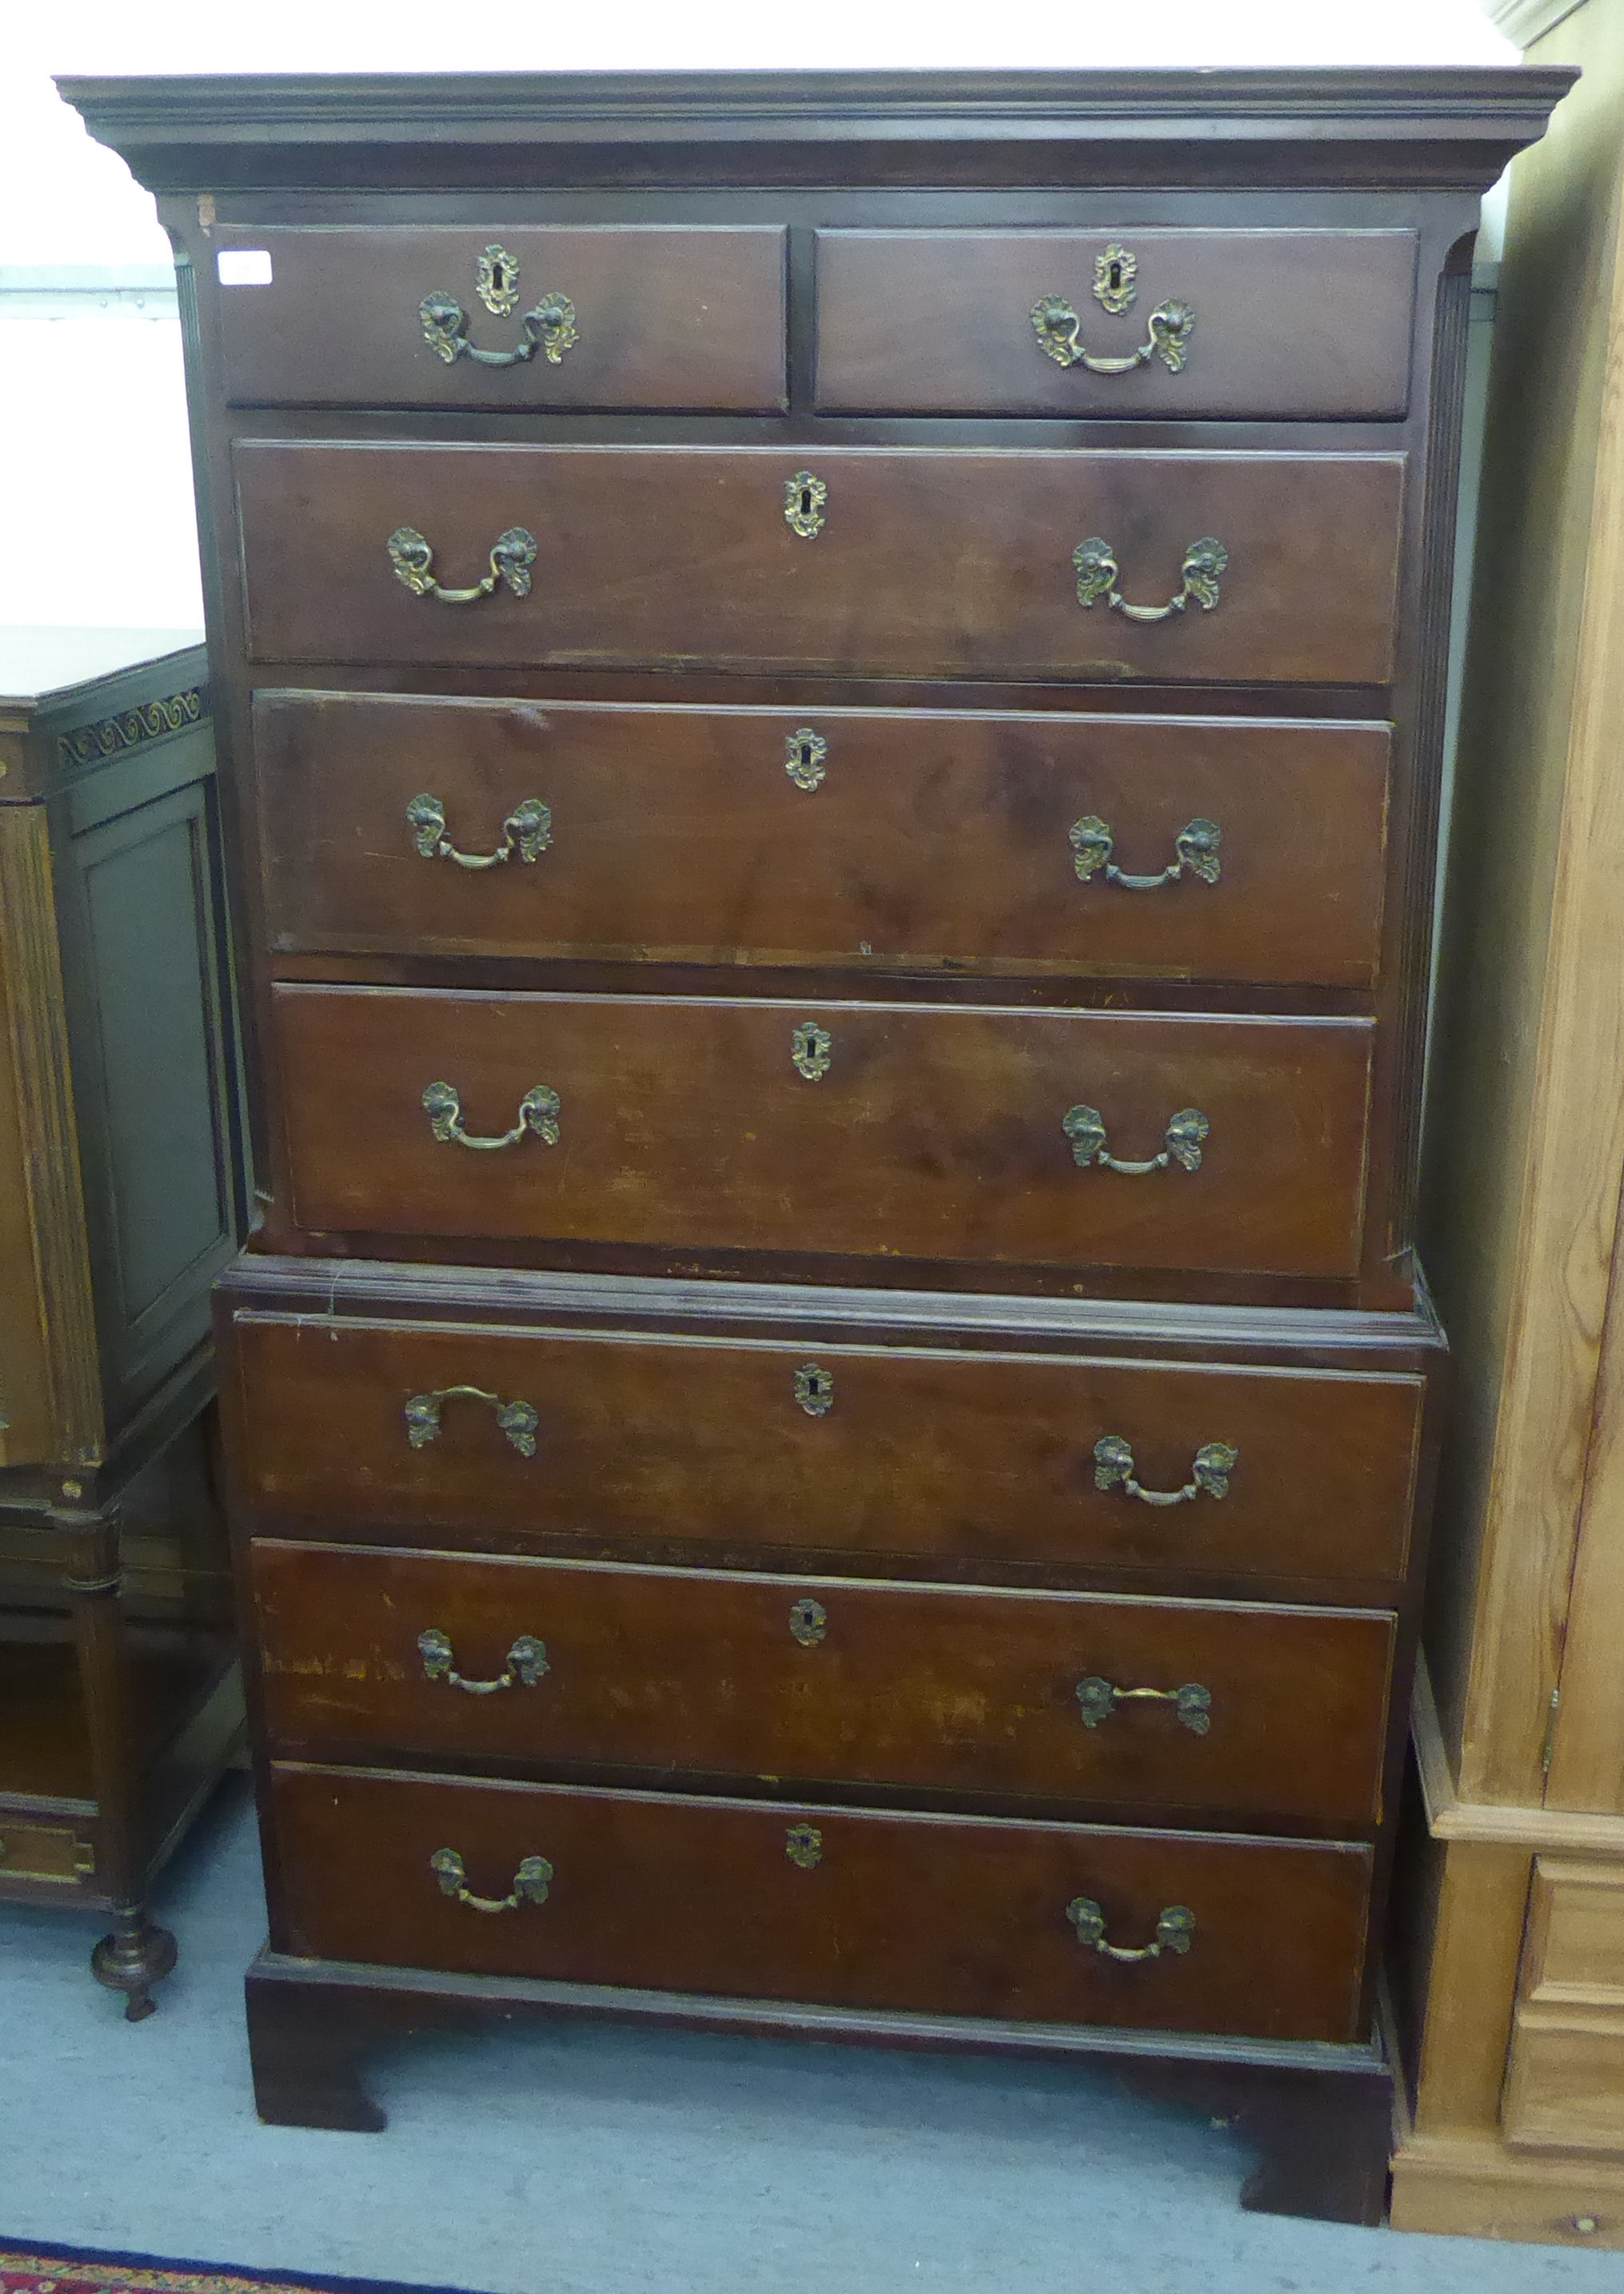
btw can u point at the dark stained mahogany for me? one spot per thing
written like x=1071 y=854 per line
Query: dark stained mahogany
x=959 y=1915
x=934 y=840
x=700 y=1183
x=825 y=1680
x=962 y=1456
x=1287 y=322
x=933 y=1130
x=664 y=317
x=930 y=564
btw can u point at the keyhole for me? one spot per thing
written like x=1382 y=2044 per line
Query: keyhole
x=806 y=501
x=1115 y=276
x=499 y=279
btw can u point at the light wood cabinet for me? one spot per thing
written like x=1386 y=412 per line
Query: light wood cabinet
x=1512 y=1939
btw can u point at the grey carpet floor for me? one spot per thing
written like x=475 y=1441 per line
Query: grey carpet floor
x=595 y=2162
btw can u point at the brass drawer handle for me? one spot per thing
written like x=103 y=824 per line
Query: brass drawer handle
x=526 y=1664
x=550 y=328
x=512 y=556
x=1209 y=1474
x=1084 y=1126
x=1205 y=562
x=538 y=1112
x=518 y=1420
x=528 y=831
x=530 y=1882
x=1099 y=1699
x=1173 y=1931
x=1058 y=328
x=1196 y=846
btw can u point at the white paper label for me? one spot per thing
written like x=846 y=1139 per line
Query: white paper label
x=244 y=267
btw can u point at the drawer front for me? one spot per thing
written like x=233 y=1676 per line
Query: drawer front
x=1069 y=1697
x=970 y=842
x=953 y=1914
x=675 y=317
x=1265 y=324
x=909 y=1132
x=926 y=563
x=859 y=1451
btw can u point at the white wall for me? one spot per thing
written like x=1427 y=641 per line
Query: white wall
x=98 y=490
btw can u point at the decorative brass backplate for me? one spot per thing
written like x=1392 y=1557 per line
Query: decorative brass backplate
x=805 y=497
x=518 y=1420
x=808 y=1623
x=1214 y=1462
x=1084 y=1126
x=1098 y=573
x=803 y=757
x=810 y=1050
x=803 y=1844
x=814 y=1389
x=1060 y=329
x=526 y=1662
x=1114 y=274
x=530 y=1882
x=1197 y=847
x=1173 y=1931
x=498 y=280
x=1099 y=1699
x=512 y=556
x=538 y=1112
x=528 y=831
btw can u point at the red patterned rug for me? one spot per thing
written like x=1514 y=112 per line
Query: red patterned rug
x=26 y=2268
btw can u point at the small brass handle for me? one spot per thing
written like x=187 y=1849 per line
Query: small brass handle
x=518 y=1420
x=1173 y=1931
x=1057 y=327
x=1084 y=1126
x=1196 y=845
x=526 y=1664
x=550 y=328
x=538 y=1112
x=1209 y=1474
x=530 y=1882
x=1098 y=573
x=1099 y=1699
x=512 y=556
x=528 y=831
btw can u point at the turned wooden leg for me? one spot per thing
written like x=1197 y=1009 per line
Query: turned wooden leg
x=137 y=1954
x=305 y=2047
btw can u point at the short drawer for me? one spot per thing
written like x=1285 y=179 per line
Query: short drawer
x=814 y=1680
x=643 y=316
x=914 y=562
x=724 y=1449
x=1146 y=848
x=1170 y=323
x=916 y=1132
x=959 y=1915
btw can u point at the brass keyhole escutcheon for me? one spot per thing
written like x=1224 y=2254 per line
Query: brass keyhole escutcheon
x=804 y=752
x=810 y=1049
x=1114 y=274
x=814 y=1389
x=498 y=281
x=804 y=1846
x=805 y=497
x=808 y=1623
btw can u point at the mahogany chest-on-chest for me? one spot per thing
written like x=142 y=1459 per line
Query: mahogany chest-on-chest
x=835 y=689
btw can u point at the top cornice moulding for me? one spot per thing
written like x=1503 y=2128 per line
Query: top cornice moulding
x=1456 y=127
